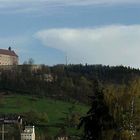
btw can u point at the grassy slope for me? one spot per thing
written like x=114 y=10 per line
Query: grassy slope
x=54 y=108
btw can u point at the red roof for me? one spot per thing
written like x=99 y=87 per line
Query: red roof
x=8 y=52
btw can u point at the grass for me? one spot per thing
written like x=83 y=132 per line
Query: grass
x=22 y=103
x=54 y=109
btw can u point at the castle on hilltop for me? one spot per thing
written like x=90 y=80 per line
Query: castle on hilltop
x=8 y=57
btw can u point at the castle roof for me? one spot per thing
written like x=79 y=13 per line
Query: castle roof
x=8 y=52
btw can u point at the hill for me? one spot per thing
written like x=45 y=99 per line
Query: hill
x=62 y=85
x=46 y=114
x=63 y=82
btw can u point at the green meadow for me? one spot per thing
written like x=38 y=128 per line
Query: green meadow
x=54 y=110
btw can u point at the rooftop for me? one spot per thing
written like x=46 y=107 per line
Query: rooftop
x=8 y=52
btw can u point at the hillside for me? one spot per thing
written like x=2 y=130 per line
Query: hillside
x=57 y=96
x=63 y=82
x=44 y=113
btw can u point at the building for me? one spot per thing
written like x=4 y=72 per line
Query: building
x=8 y=57
x=28 y=133
x=62 y=138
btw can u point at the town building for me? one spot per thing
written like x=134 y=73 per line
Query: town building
x=8 y=57
x=28 y=133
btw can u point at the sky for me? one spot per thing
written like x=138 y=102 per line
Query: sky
x=85 y=31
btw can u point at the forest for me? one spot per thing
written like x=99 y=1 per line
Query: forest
x=112 y=92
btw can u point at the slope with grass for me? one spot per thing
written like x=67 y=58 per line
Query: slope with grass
x=55 y=111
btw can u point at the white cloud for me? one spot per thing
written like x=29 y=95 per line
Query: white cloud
x=37 y=5
x=113 y=45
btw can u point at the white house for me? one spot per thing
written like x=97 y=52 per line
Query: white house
x=62 y=138
x=28 y=133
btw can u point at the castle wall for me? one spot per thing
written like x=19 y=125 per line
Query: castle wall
x=8 y=60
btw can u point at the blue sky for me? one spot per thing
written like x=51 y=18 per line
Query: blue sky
x=87 y=31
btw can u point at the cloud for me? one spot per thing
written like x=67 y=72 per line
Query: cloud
x=113 y=45
x=26 y=6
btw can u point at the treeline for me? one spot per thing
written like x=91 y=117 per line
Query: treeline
x=63 y=82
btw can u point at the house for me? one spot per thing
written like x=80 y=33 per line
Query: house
x=28 y=133
x=8 y=57
x=62 y=138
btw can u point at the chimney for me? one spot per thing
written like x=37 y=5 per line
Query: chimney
x=33 y=129
x=9 y=48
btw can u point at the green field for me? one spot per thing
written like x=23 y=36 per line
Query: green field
x=55 y=109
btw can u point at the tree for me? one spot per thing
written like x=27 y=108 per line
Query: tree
x=31 y=61
x=97 y=119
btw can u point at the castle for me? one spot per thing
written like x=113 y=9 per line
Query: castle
x=8 y=57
